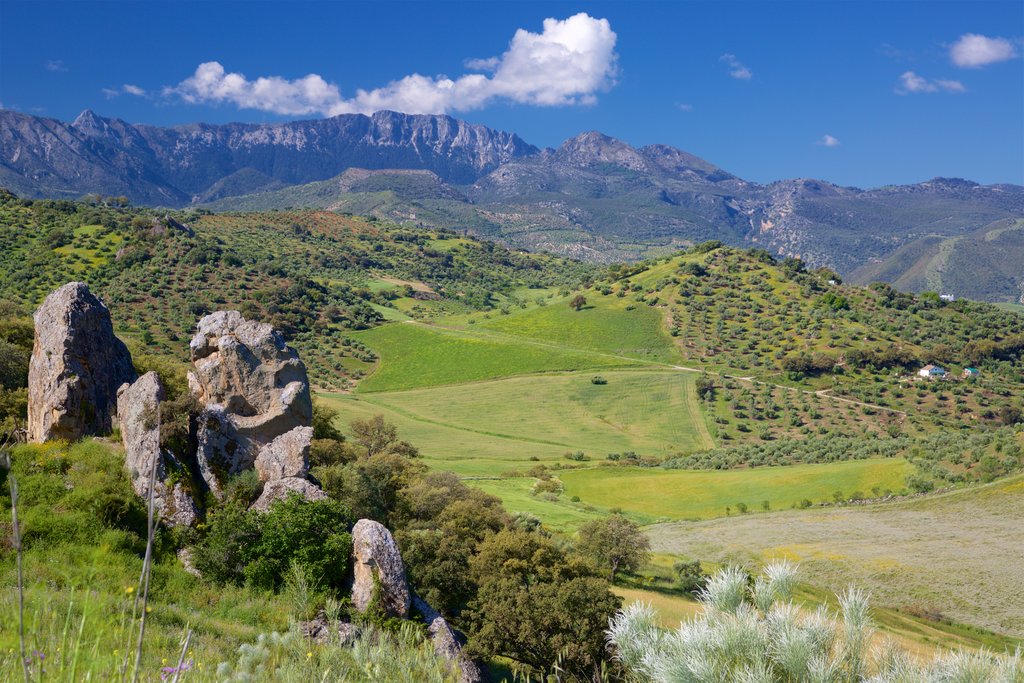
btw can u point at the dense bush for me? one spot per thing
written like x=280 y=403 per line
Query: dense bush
x=245 y=546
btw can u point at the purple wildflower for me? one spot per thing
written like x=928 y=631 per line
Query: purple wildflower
x=169 y=671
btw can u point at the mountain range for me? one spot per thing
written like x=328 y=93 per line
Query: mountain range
x=594 y=197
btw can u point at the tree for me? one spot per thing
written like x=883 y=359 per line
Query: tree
x=538 y=606
x=614 y=543
x=323 y=422
x=578 y=302
x=374 y=434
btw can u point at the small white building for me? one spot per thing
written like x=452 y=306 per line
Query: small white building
x=947 y=297
x=932 y=371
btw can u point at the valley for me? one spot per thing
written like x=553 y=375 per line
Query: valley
x=738 y=407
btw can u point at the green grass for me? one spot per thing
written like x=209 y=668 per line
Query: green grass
x=705 y=494
x=444 y=447
x=415 y=355
x=604 y=325
x=561 y=515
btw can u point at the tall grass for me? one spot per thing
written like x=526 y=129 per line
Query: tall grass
x=754 y=633
x=90 y=581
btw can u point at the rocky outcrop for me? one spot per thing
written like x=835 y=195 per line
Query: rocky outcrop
x=255 y=389
x=286 y=456
x=379 y=573
x=138 y=413
x=447 y=642
x=76 y=368
x=281 y=488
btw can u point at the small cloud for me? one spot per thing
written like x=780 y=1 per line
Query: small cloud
x=828 y=141
x=892 y=52
x=686 y=108
x=55 y=65
x=910 y=83
x=126 y=89
x=737 y=68
x=489 y=64
x=973 y=50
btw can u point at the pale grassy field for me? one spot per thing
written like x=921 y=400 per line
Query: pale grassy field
x=960 y=553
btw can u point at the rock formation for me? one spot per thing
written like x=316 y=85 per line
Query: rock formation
x=446 y=641
x=286 y=456
x=138 y=414
x=76 y=368
x=379 y=573
x=255 y=390
x=281 y=488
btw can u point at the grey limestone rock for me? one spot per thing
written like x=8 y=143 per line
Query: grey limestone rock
x=76 y=368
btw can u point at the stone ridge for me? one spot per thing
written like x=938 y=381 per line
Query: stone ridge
x=172 y=166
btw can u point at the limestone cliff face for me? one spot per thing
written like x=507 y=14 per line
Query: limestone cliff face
x=171 y=166
x=77 y=366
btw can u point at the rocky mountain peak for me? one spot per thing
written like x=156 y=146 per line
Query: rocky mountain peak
x=593 y=148
x=676 y=160
x=91 y=123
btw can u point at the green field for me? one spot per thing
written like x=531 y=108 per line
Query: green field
x=485 y=428
x=417 y=355
x=561 y=515
x=607 y=324
x=704 y=494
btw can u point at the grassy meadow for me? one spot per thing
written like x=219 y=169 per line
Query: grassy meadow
x=419 y=355
x=675 y=494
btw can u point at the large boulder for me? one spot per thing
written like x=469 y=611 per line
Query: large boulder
x=138 y=414
x=254 y=388
x=279 y=489
x=286 y=456
x=76 y=368
x=379 y=574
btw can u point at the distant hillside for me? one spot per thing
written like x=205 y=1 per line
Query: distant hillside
x=594 y=197
x=985 y=265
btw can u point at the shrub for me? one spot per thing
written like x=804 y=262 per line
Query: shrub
x=245 y=546
x=690 y=578
x=755 y=633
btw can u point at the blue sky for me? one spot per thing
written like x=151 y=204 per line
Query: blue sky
x=859 y=93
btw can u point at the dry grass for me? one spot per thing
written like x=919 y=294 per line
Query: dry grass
x=956 y=555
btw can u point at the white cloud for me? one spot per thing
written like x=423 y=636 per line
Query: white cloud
x=910 y=82
x=972 y=50
x=737 y=68
x=686 y=108
x=488 y=64
x=568 y=63
x=55 y=65
x=828 y=141
x=126 y=89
